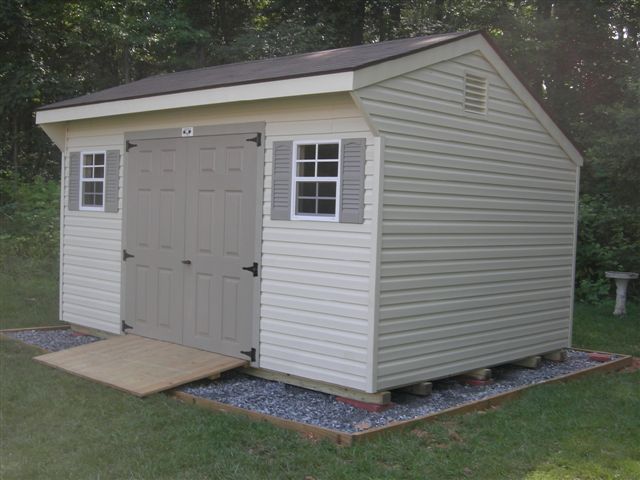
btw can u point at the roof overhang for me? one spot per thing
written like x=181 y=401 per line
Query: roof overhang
x=348 y=81
x=292 y=87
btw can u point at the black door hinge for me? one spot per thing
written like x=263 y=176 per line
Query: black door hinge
x=250 y=353
x=257 y=139
x=253 y=269
x=126 y=327
x=129 y=145
x=126 y=255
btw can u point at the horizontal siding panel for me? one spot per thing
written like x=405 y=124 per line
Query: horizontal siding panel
x=88 y=273
x=305 y=277
x=392 y=284
x=99 y=324
x=336 y=267
x=304 y=357
x=348 y=310
x=102 y=299
x=396 y=212
x=106 y=233
x=92 y=252
x=312 y=371
x=297 y=318
x=92 y=243
x=423 y=308
x=279 y=339
x=98 y=286
x=467 y=329
x=87 y=310
x=409 y=324
x=316 y=292
x=305 y=329
x=403 y=157
x=330 y=252
x=461 y=175
x=461 y=292
x=473 y=228
x=291 y=234
x=463 y=253
x=486 y=265
x=473 y=203
x=427 y=240
x=557 y=326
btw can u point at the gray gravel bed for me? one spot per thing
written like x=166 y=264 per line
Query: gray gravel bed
x=307 y=406
x=52 y=340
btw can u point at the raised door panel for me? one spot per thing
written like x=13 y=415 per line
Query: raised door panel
x=220 y=241
x=154 y=222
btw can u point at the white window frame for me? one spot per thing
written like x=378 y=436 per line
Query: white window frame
x=295 y=179
x=92 y=208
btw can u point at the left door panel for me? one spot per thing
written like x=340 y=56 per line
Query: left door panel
x=154 y=219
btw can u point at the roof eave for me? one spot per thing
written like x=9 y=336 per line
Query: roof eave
x=291 y=87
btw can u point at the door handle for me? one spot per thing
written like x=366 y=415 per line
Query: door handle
x=186 y=262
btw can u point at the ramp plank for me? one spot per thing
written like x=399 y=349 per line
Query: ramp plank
x=140 y=366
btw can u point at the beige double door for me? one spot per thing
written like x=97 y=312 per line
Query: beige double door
x=190 y=216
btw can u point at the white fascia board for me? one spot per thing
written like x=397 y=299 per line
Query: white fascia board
x=334 y=82
x=400 y=66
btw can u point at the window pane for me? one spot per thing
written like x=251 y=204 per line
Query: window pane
x=327 y=207
x=87 y=160
x=307 y=169
x=306 y=205
x=328 y=151
x=88 y=200
x=99 y=159
x=327 y=169
x=97 y=187
x=87 y=172
x=327 y=189
x=307 y=152
x=98 y=172
x=98 y=200
x=307 y=189
x=88 y=187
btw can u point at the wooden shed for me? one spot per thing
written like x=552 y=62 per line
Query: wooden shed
x=370 y=217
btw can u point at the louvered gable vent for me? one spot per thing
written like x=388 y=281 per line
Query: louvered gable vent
x=475 y=93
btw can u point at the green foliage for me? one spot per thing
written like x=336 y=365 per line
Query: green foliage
x=29 y=215
x=608 y=239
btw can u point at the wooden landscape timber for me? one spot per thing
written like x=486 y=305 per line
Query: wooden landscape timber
x=556 y=356
x=347 y=439
x=421 y=389
x=50 y=327
x=478 y=374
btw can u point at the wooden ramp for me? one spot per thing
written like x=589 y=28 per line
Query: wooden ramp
x=140 y=366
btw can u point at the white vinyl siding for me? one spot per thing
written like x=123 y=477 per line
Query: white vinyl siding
x=315 y=276
x=477 y=227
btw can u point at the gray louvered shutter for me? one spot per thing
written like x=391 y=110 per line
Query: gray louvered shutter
x=352 y=188
x=74 y=181
x=111 y=180
x=281 y=186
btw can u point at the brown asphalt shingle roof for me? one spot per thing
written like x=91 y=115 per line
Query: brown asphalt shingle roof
x=280 y=68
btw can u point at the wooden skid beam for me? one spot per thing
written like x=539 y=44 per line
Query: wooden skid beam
x=380 y=398
x=529 y=362
x=556 y=356
x=421 y=389
x=478 y=374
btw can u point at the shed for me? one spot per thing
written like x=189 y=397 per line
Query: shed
x=370 y=217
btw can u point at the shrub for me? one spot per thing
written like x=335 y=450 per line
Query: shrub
x=29 y=215
x=608 y=239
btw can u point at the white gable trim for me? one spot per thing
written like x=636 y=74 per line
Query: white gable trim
x=335 y=82
x=400 y=66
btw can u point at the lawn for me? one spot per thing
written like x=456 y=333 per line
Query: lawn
x=54 y=425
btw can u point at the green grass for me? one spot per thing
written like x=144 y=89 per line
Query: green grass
x=56 y=426
x=596 y=328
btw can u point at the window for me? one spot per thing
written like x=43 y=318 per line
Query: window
x=316 y=178
x=92 y=181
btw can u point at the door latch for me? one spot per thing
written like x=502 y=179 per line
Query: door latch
x=186 y=262
x=253 y=269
